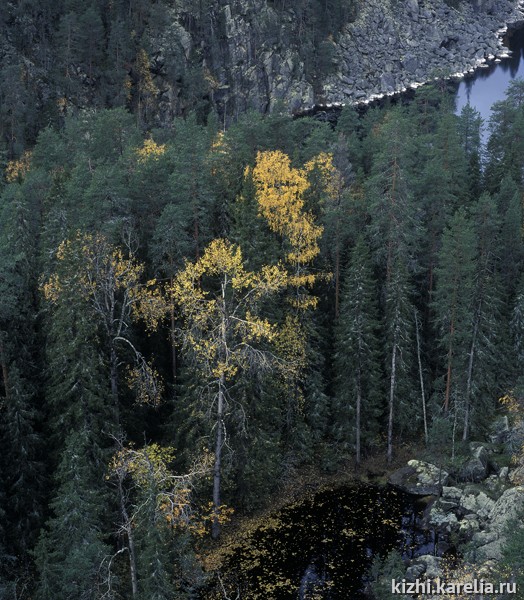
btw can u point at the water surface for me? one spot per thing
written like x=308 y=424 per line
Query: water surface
x=324 y=545
x=488 y=85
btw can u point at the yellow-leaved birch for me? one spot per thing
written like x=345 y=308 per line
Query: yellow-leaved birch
x=222 y=328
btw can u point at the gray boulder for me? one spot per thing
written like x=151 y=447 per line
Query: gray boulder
x=491 y=551
x=387 y=83
x=478 y=504
x=443 y=521
x=516 y=476
x=411 y=63
x=506 y=508
x=475 y=468
x=419 y=478
x=432 y=565
x=500 y=430
x=451 y=493
x=468 y=526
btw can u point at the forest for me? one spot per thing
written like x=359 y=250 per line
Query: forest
x=192 y=315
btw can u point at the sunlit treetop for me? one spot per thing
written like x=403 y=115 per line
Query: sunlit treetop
x=150 y=150
x=90 y=269
x=150 y=469
x=222 y=323
x=280 y=191
x=281 y=197
x=16 y=170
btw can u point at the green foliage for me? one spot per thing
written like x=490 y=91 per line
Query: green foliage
x=512 y=553
x=453 y=304
x=383 y=570
x=71 y=549
x=357 y=356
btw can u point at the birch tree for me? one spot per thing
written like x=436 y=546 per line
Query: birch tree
x=224 y=332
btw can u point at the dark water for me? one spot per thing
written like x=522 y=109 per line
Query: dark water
x=488 y=85
x=323 y=546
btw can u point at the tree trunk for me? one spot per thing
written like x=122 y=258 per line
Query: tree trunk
x=448 y=374
x=130 y=540
x=337 y=274
x=5 y=372
x=450 y=347
x=215 y=530
x=114 y=385
x=215 y=527
x=465 y=433
x=358 y=417
x=422 y=391
x=173 y=349
x=391 y=401
x=337 y=282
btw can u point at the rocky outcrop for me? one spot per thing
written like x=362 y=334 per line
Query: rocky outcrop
x=232 y=56
x=488 y=544
x=419 y=478
x=477 y=466
x=262 y=56
x=472 y=516
x=387 y=51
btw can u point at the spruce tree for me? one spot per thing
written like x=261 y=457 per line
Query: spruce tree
x=78 y=389
x=395 y=230
x=357 y=356
x=485 y=375
x=192 y=198
x=454 y=308
x=505 y=146
x=71 y=550
x=510 y=249
x=399 y=338
x=470 y=126
x=21 y=411
x=517 y=333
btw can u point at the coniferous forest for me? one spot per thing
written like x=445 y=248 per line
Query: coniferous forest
x=194 y=315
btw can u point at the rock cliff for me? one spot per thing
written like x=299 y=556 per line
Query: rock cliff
x=166 y=58
x=262 y=60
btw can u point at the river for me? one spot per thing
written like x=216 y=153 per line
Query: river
x=488 y=85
